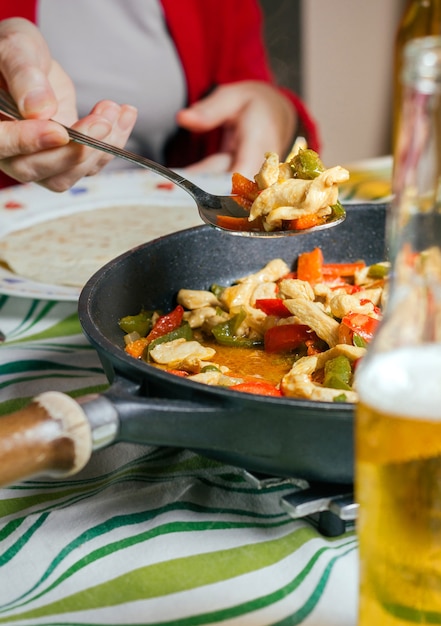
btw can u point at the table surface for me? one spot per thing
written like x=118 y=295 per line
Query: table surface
x=147 y=535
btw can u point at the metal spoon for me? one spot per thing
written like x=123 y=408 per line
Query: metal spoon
x=210 y=206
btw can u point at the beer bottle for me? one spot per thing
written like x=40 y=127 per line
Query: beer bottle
x=420 y=18
x=398 y=417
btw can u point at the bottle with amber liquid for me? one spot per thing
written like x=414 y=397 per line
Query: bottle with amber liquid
x=398 y=417
x=420 y=18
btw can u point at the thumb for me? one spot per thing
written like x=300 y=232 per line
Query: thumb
x=25 y=62
x=222 y=105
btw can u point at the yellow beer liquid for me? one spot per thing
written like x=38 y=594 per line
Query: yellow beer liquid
x=398 y=487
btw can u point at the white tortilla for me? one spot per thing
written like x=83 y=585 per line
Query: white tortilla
x=68 y=250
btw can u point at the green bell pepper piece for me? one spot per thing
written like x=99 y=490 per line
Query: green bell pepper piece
x=338 y=373
x=359 y=341
x=337 y=209
x=225 y=333
x=306 y=164
x=217 y=290
x=379 y=270
x=183 y=331
x=210 y=368
x=141 y=323
x=340 y=398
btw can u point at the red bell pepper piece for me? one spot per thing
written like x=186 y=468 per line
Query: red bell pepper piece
x=136 y=348
x=243 y=186
x=273 y=306
x=361 y=324
x=257 y=386
x=305 y=221
x=178 y=373
x=239 y=223
x=310 y=266
x=286 y=337
x=166 y=323
x=336 y=270
x=376 y=309
x=348 y=288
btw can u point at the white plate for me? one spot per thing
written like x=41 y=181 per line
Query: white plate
x=24 y=205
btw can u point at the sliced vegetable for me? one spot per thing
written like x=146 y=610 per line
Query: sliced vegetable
x=217 y=289
x=338 y=209
x=210 y=368
x=361 y=324
x=225 y=333
x=286 y=337
x=306 y=221
x=244 y=187
x=307 y=164
x=340 y=398
x=273 y=306
x=177 y=373
x=337 y=270
x=166 y=323
x=238 y=223
x=338 y=373
x=181 y=332
x=359 y=341
x=310 y=266
x=379 y=270
x=140 y=323
x=347 y=287
x=136 y=348
x=256 y=386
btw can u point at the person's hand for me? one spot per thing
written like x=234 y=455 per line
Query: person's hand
x=38 y=149
x=255 y=117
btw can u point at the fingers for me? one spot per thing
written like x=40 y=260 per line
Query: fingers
x=220 y=106
x=58 y=168
x=108 y=122
x=256 y=118
x=37 y=149
x=30 y=136
x=25 y=63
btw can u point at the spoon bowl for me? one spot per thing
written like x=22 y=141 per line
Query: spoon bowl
x=210 y=206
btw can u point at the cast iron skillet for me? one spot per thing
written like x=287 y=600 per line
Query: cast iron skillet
x=276 y=436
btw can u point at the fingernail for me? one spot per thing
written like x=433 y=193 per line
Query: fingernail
x=53 y=138
x=110 y=111
x=127 y=118
x=100 y=128
x=36 y=102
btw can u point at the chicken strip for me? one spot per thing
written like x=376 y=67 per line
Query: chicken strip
x=312 y=315
x=306 y=196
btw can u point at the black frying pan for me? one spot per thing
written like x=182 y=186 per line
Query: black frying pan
x=277 y=436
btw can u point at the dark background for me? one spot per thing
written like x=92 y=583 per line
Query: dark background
x=283 y=38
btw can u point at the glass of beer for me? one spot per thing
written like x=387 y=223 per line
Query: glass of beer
x=398 y=418
x=398 y=443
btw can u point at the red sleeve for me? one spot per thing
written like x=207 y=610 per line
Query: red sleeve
x=28 y=10
x=23 y=8
x=218 y=43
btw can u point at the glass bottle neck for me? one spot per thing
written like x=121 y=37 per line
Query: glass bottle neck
x=413 y=311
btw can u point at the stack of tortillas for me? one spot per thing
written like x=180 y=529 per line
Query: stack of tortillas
x=68 y=250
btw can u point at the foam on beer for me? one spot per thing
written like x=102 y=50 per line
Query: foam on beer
x=405 y=381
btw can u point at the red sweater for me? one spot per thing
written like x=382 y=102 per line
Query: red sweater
x=200 y=30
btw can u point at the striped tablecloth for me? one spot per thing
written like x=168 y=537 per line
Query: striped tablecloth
x=148 y=535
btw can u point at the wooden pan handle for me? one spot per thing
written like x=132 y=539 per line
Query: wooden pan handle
x=50 y=436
